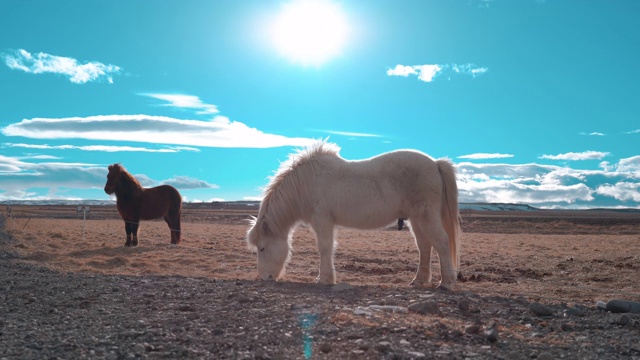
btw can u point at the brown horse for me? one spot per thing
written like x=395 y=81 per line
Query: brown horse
x=137 y=203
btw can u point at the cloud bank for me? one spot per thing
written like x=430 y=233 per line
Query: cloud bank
x=429 y=72
x=20 y=179
x=615 y=185
x=219 y=132
x=184 y=102
x=77 y=73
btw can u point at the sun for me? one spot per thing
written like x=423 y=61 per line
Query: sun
x=310 y=32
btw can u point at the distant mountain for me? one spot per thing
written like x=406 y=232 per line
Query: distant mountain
x=496 y=207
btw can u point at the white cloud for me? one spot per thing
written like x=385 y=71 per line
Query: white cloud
x=185 y=102
x=188 y=183
x=77 y=73
x=637 y=131
x=219 y=132
x=586 y=155
x=428 y=72
x=595 y=133
x=485 y=156
x=103 y=148
x=402 y=70
x=349 y=133
x=622 y=191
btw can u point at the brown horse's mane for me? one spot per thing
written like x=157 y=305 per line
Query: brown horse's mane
x=128 y=184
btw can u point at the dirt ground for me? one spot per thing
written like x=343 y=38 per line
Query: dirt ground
x=565 y=260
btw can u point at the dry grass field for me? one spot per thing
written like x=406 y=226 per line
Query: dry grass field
x=555 y=255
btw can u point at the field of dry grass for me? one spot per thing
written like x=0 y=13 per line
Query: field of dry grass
x=552 y=255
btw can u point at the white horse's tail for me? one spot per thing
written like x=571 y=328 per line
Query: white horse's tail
x=449 y=209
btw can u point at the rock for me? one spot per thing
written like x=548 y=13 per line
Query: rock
x=540 y=309
x=390 y=308
x=463 y=305
x=566 y=327
x=260 y=354
x=416 y=355
x=622 y=320
x=362 y=311
x=623 y=306
x=425 y=307
x=383 y=346
x=492 y=332
x=325 y=348
x=362 y=344
x=139 y=349
x=472 y=329
x=574 y=311
x=545 y=356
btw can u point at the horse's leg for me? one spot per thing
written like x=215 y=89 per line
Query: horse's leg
x=174 y=228
x=127 y=228
x=432 y=231
x=423 y=275
x=134 y=232
x=325 y=235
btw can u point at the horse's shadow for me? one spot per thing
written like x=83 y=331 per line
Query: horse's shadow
x=115 y=251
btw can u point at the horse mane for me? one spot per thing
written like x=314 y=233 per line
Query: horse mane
x=277 y=202
x=127 y=181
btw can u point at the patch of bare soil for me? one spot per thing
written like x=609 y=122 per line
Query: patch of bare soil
x=70 y=289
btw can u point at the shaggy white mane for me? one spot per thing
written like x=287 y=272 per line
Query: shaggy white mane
x=300 y=157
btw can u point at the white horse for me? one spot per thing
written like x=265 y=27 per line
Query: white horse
x=318 y=187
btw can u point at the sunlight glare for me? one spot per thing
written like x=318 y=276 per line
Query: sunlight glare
x=310 y=31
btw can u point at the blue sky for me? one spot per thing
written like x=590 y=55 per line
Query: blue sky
x=535 y=101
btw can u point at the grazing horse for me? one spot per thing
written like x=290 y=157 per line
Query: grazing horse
x=137 y=203
x=318 y=187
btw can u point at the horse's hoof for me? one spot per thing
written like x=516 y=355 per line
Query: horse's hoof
x=443 y=287
x=416 y=283
x=127 y=244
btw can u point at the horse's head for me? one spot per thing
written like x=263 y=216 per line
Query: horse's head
x=113 y=178
x=273 y=250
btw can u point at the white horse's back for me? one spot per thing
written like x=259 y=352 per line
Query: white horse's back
x=375 y=192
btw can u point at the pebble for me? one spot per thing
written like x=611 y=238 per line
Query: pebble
x=139 y=349
x=362 y=344
x=574 y=312
x=383 y=346
x=545 y=356
x=472 y=329
x=492 y=332
x=416 y=355
x=540 y=309
x=325 y=348
x=623 y=306
x=425 y=307
x=622 y=320
x=463 y=305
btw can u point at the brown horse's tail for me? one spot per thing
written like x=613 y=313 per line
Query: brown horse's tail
x=449 y=209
